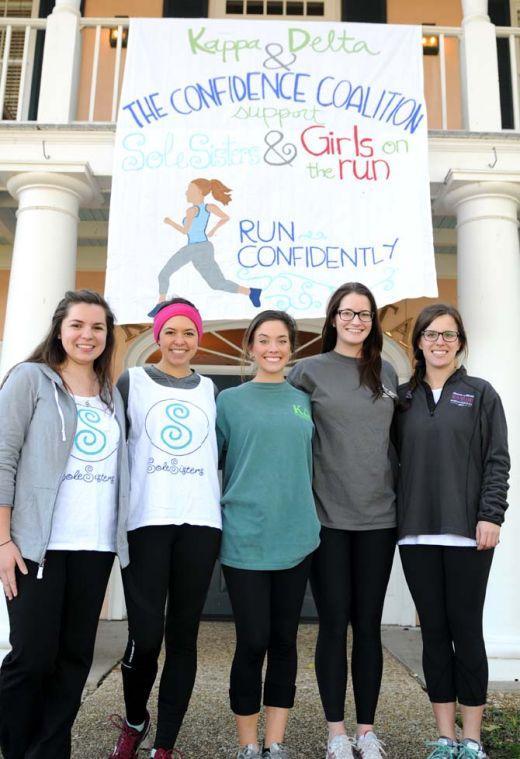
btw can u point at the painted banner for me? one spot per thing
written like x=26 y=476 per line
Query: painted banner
x=260 y=164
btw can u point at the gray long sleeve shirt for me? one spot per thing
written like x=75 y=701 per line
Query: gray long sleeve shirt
x=353 y=479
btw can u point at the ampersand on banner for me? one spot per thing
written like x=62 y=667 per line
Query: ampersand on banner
x=282 y=156
x=274 y=50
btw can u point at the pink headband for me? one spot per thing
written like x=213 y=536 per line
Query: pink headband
x=176 y=309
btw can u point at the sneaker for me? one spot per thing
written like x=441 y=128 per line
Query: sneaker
x=254 y=296
x=368 y=746
x=469 y=749
x=129 y=739
x=275 y=750
x=443 y=748
x=163 y=753
x=155 y=310
x=249 y=752
x=340 y=747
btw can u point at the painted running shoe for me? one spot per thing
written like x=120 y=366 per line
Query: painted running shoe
x=469 y=749
x=129 y=739
x=340 y=747
x=443 y=748
x=368 y=746
x=254 y=296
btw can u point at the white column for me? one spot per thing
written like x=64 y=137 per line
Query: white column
x=43 y=267
x=61 y=64
x=479 y=69
x=488 y=282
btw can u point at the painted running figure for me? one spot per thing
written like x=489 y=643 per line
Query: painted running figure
x=199 y=250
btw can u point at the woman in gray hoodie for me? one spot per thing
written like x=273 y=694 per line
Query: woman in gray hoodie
x=63 y=496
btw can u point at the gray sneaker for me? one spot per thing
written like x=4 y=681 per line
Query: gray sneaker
x=275 y=751
x=340 y=747
x=368 y=746
x=249 y=752
x=469 y=749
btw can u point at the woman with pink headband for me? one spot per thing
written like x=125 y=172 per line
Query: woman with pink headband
x=174 y=527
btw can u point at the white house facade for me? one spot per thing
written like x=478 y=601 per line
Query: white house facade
x=60 y=78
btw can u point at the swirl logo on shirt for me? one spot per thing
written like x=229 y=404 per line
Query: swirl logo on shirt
x=92 y=441
x=176 y=426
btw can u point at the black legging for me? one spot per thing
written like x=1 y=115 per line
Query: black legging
x=175 y=563
x=349 y=577
x=448 y=586
x=53 y=628
x=266 y=606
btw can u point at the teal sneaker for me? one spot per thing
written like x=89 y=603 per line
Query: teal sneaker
x=469 y=749
x=443 y=748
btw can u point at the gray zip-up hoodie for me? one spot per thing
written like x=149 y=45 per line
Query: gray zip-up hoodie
x=38 y=423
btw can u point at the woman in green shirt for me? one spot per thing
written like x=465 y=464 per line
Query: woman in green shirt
x=269 y=529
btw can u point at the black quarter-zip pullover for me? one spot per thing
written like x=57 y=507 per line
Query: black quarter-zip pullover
x=454 y=460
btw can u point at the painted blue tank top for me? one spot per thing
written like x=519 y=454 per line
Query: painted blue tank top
x=197 y=231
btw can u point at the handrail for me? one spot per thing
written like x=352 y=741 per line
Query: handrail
x=98 y=70
x=33 y=23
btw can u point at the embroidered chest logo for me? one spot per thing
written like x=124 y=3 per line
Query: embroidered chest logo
x=462 y=399
x=301 y=412
x=176 y=426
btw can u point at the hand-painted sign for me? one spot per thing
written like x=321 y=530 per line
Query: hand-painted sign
x=259 y=164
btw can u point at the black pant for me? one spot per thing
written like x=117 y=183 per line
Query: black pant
x=349 y=577
x=174 y=563
x=53 y=628
x=266 y=606
x=448 y=586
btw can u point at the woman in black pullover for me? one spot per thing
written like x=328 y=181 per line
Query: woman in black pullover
x=452 y=442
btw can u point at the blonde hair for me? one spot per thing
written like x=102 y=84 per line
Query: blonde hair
x=214 y=186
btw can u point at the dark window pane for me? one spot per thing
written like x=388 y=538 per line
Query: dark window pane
x=255 y=7
x=315 y=9
x=234 y=6
x=295 y=9
x=275 y=8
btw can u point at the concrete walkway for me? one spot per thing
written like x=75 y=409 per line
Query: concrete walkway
x=404 y=715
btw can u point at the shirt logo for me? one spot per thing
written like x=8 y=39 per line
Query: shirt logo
x=92 y=441
x=301 y=412
x=464 y=400
x=176 y=427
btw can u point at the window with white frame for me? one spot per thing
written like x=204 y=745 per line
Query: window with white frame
x=14 y=9
x=312 y=10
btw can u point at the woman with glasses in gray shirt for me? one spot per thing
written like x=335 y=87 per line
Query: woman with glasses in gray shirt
x=353 y=395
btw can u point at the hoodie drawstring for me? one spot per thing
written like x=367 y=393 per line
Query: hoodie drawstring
x=60 y=412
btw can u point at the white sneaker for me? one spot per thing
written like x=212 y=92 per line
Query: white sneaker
x=369 y=746
x=340 y=747
x=249 y=752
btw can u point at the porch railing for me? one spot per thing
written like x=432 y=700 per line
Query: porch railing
x=102 y=67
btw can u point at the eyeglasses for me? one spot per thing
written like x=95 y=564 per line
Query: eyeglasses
x=346 y=315
x=432 y=335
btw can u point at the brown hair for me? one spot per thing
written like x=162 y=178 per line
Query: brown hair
x=51 y=352
x=369 y=365
x=269 y=316
x=424 y=319
x=214 y=186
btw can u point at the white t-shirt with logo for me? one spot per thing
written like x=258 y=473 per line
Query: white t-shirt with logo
x=459 y=541
x=173 y=454
x=85 y=512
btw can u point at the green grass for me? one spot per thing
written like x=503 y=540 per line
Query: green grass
x=501 y=732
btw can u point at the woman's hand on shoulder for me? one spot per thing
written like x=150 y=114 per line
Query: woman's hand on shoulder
x=488 y=535
x=10 y=558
